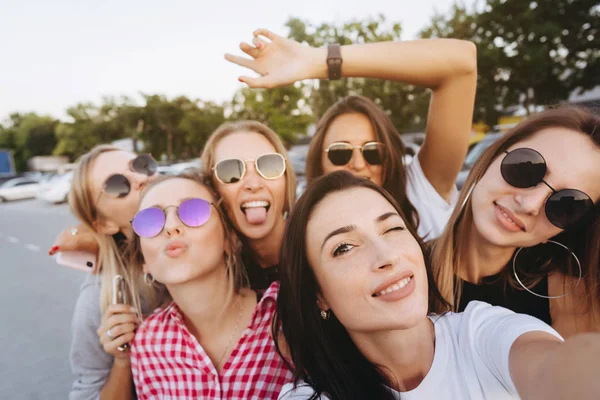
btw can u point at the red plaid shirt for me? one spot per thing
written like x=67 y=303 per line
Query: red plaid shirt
x=168 y=362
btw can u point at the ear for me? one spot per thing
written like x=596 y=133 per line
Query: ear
x=145 y=268
x=106 y=227
x=322 y=303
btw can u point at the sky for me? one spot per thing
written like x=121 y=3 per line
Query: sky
x=55 y=54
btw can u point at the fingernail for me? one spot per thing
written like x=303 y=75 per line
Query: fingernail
x=53 y=250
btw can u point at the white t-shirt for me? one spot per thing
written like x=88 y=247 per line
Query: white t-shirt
x=470 y=359
x=434 y=211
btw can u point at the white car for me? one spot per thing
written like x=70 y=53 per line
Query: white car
x=18 y=189
x=56 y=190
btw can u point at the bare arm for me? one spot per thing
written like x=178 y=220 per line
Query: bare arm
x=119 y=385
x=544 y=368
x=447 y=66
x=571 y=314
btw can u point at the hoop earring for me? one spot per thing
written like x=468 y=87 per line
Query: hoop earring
x=539 y=295
x=325 y=314
x=149 y=279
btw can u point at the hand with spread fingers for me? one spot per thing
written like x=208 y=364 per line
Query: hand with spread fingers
x=118 y=329
x=279 y=61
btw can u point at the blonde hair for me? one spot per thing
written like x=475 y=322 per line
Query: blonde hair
x=228 y=128
x=450 y=250
x=236 y=272
x=110 y=254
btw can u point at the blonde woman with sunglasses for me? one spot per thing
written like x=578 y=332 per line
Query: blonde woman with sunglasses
x=356 y=135
x=250 y=170
x=104 y=196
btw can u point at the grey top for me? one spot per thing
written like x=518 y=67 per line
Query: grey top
x=89 y=362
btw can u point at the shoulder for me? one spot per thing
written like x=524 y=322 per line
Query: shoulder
x=87 y=306
x=158 y=320
x=491 y=324
x=271 y=292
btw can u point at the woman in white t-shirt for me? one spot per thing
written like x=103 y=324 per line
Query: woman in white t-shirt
x=353 y=307
x=356 y=134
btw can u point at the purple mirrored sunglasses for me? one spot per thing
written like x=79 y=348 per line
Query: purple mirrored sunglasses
x=149 y=222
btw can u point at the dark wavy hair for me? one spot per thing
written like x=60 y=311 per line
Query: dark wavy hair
x=322 y=352
x=394 y=171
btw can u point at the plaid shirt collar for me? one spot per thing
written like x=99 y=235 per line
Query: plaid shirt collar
x=174 y=312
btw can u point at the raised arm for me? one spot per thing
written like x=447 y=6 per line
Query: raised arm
x=447 y=66
x=544 y=368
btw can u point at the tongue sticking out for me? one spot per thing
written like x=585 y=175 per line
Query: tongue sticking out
x=256 y=215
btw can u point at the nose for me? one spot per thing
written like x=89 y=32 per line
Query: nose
x=138 y=181
x=357 y=162
x=252 y=181
x=532 y=200
x=173 y=226
x=386 y=256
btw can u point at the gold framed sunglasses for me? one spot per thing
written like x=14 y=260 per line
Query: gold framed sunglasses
x=340 y=153
x=269 y=166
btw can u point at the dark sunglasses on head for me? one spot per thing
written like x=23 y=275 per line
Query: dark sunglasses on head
x=525 y=168
x=269 y=166
x=340 y=153
x=118 y=186
x=149 y=222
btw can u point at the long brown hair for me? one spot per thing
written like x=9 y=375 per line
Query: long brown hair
x=111 y=253
x=228 y=128
x=235 y=268
x=322 y=352
x=450 y=249
x=394 y=171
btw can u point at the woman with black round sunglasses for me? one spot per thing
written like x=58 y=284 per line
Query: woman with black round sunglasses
x=356 y=134
x=527 y=234
x=104 y=197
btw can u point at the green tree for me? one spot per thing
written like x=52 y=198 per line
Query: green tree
x=407 y=105
x=530 y=53
x=28 y=135
x=197 y=124
x=90 y=125
x=281 y=109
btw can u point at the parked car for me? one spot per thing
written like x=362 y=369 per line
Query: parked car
x=177 y=168
x=18 y=189
x=473 y=155
x=55 y=190
x=297 y=155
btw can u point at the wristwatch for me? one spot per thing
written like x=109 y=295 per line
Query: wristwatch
x=334 y=61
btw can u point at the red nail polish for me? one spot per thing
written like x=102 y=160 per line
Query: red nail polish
x=53 y=250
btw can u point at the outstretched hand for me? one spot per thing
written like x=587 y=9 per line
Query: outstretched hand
x=279 y=61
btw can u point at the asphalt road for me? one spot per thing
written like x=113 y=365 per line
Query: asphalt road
x=37 y=298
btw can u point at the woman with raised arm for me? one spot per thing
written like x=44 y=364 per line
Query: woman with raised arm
x=356 y=135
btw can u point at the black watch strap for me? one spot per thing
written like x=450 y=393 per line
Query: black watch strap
x=334 y=61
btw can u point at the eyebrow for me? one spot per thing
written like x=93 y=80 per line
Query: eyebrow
x=350 y=228
x=387 y=215
x=339 y=231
